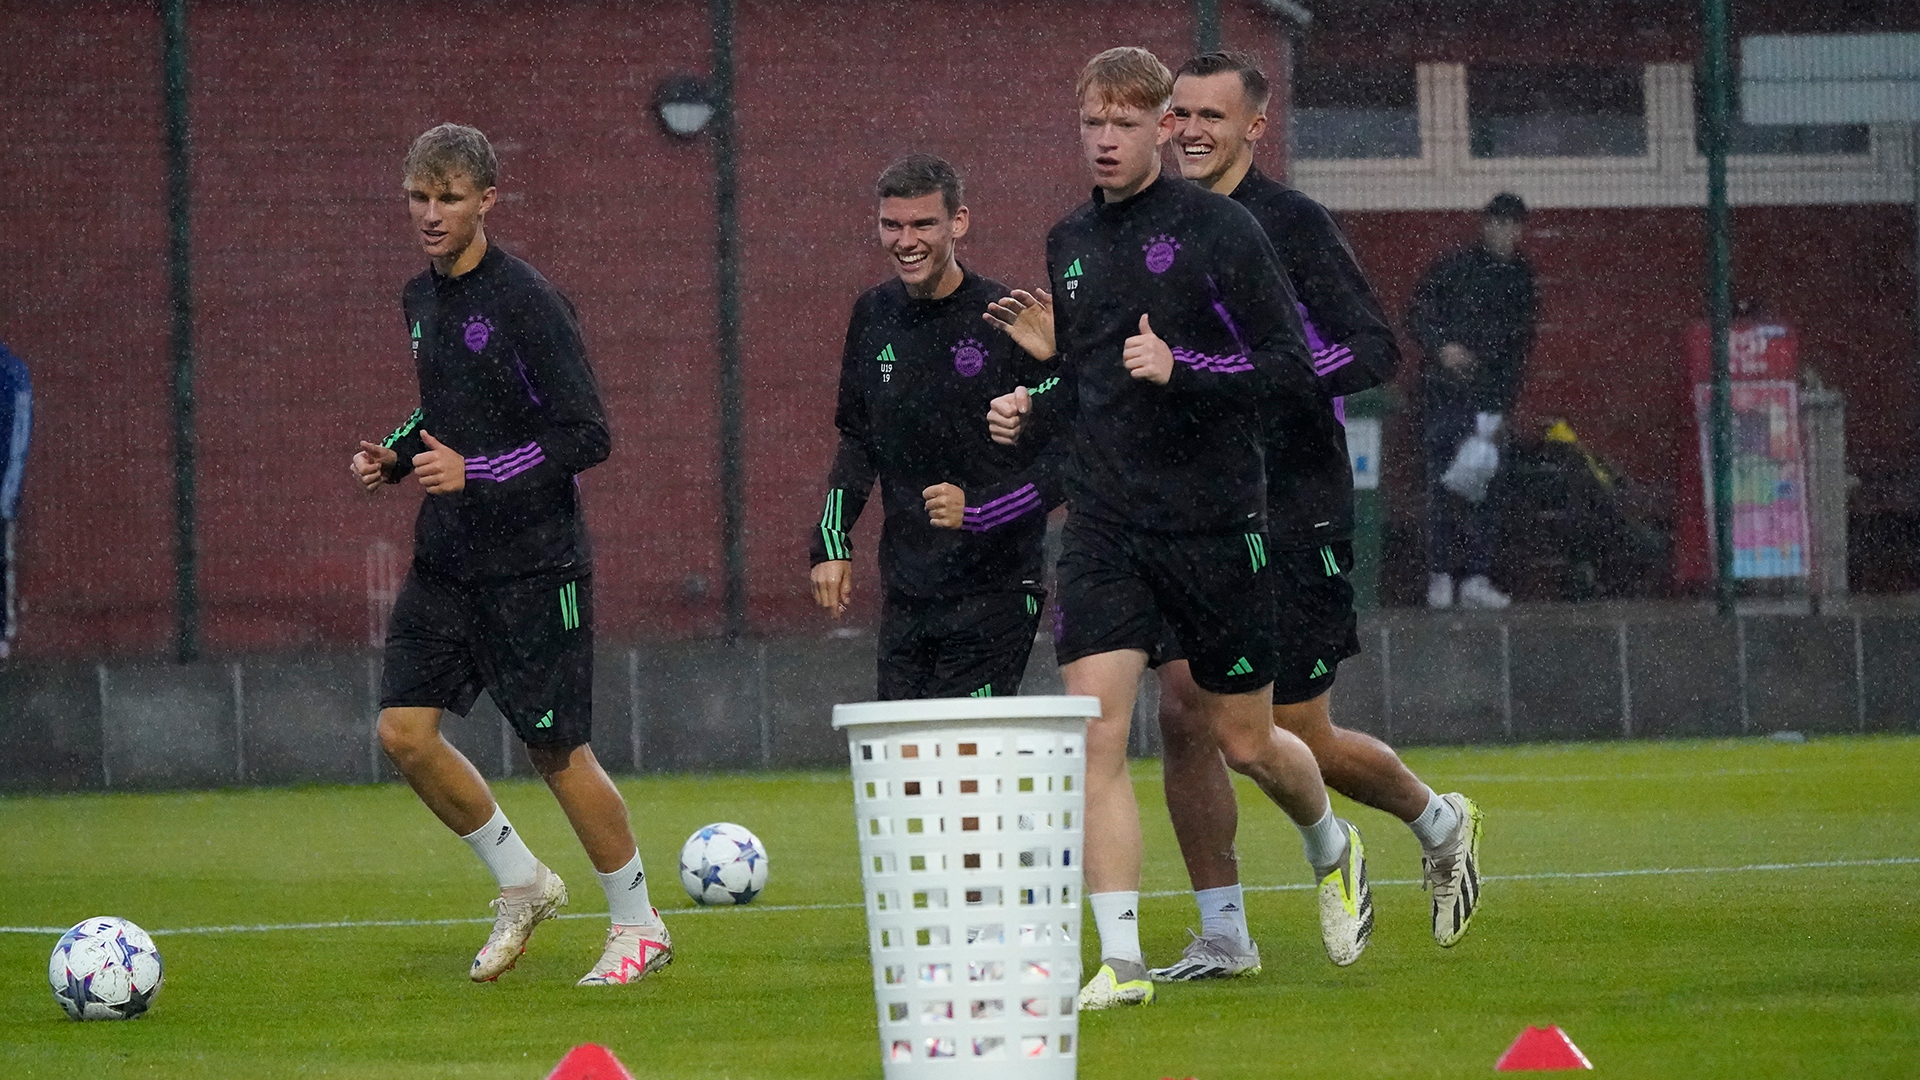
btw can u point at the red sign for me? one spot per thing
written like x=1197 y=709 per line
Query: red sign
x=1756 y=349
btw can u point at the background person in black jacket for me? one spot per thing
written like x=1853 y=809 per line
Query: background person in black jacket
x=1473 y=315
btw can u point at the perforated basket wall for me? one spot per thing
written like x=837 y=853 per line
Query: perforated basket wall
x=970 y=851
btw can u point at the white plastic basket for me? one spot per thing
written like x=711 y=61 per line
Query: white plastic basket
x=969 y=811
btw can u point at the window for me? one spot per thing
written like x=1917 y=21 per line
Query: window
x=1745 y=138
x=1539 y=110
x=1353 y=111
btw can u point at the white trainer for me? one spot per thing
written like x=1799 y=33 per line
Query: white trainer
x=1439 y=590
x=516 y=912
x=632 y=953
x=1346 y=903
x=1478 y=592
x=1211 y=956
x=1452 y=872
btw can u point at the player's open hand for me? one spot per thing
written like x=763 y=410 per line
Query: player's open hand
x=946 y=506
x=1147 y=357
x=833 y=585
x=1027 y=318
x=1007 y=414
x=440 y=470
x=372 y=465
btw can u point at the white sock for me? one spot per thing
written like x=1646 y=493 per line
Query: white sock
x=1223 y=911
x=499 y=845
x=1325 y=841
x=626 y=890
x=1116 y=915
x=1435 y=823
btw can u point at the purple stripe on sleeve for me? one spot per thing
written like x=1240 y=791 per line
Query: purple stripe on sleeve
x=1225 y=365
x=1016 y=494
x=1340 y=410
x=979 y=519
x=1002 y=509
x=1327 y=361
x=509 y=472
x=507 y=465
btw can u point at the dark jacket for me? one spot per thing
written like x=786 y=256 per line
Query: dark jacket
x=1472 y=299
x=916 y=380
x=1309 y=475
x=504 y=383
x=1186 y=457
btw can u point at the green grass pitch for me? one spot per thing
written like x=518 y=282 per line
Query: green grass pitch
x=1782 y=970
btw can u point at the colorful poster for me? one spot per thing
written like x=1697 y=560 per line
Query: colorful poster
x=1769 y=477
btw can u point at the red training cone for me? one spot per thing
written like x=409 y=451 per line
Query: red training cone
x=590 y=1062
x=1540 y=1049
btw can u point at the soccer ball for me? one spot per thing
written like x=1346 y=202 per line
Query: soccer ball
x=104 y=969
x=723 y=864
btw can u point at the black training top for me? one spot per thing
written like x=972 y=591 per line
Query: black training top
x=916 y=380
x=1185 y=457
x=504 y=382
x=1309 y=476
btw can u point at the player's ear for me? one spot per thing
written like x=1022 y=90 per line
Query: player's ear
x=487 y=199
x=1168 y=123
x=960 y=223
x=1257 y=128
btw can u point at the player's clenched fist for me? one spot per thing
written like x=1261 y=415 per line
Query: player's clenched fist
x=946 y=506
x=372 y=465
x=1007 y=414
x=1147 y=357
x=439 y=469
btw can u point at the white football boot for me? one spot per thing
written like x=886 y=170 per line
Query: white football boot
x=632 y=953
x=1346 y=903
x=515 y=913
x=1453 y=873
x=1211 y=956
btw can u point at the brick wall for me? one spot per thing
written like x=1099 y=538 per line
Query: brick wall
x=301 y=111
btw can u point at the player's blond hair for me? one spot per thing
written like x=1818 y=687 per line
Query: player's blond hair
x=442 y=152
x=1128 y=76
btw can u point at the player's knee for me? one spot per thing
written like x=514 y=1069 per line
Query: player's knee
x=550 y=761
x=403 y=736
x=1240 y=754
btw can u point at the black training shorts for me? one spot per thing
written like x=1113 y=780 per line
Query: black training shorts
x=1314 y=624
x=1315 y=627
x=969 y=646
x=1124 y=588
x=528 y=644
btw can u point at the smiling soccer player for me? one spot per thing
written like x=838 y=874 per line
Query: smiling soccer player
x=960 y=548
x=1219 y=110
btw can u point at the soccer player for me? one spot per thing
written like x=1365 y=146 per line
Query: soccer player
x=499 y=596
x=1171 y=342
x=960 y=549
x=1219 y=109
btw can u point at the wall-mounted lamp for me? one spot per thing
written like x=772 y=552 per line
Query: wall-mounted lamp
x=684 y=105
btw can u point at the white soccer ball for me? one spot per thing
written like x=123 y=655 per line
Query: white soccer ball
x=723 y=864
x=104 y=969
